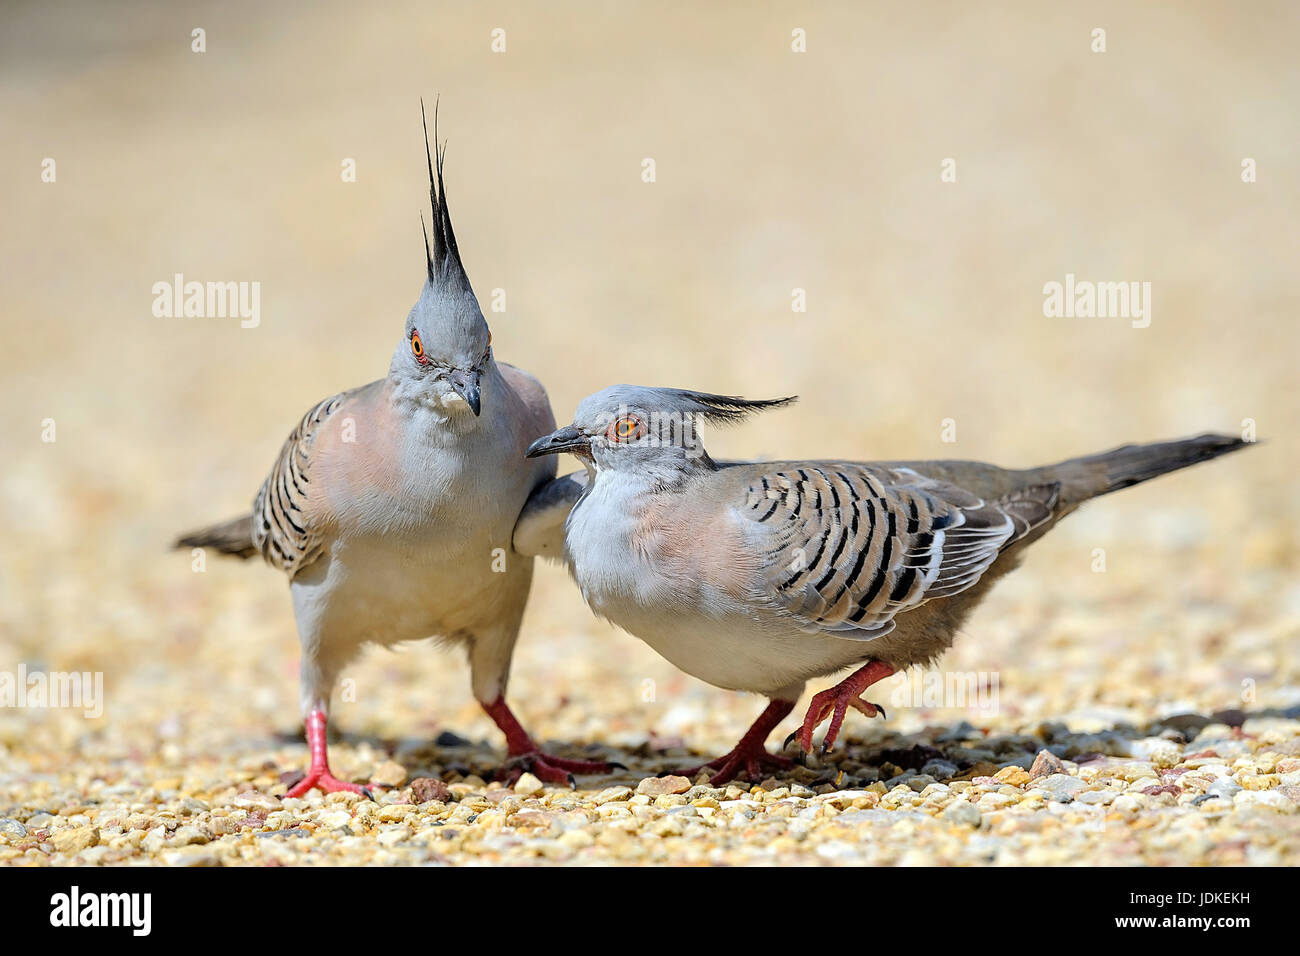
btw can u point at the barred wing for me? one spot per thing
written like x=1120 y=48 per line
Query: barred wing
x=848 y=547
x=283 y=529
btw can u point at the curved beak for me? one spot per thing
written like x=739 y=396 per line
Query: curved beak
x=567 y=438
x=466 y=385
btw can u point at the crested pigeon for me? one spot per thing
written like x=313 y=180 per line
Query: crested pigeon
x=391 y=507
x=759 y=576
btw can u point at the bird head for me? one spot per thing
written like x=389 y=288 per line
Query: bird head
x=636 y=428
x=446 y=347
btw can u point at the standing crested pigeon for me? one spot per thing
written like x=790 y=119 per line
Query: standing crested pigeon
x=758 y=576
x=391 y=508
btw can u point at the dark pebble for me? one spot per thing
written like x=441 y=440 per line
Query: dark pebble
x=914 y=758
x=1233 y=718
x=1187 y=724
x=293 y=832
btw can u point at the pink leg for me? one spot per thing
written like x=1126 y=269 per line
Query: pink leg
x=836 y=701
x=750 y=756
x=526 y=755
x=319 y=775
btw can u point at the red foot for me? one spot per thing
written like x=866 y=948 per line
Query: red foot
x=319 y=775
x=526 y=755
x=835 y=703
x=326 y=782
x=752 y=762
x=548 y=768
x=749 y=756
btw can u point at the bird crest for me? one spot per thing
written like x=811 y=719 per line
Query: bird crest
x=445 y=269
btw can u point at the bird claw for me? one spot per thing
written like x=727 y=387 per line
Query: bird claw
x=550 y=769
x=524 y=753
x=833 y=703
x=318 y=774
x=326 y=782
x=752 y=761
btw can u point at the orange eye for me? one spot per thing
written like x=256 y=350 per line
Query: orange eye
x=627 y=428
x=417 y=347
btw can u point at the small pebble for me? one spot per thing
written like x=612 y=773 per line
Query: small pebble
x=1061 y=787
x=962 y=812
x=1013 y=776
x=427 y=789
x=529 y=785
x=12 y=829
x=1046 y=764
x=187 y=835
x=71 y=841
x=656 y=786
x=389 y=774
x=1224 y=787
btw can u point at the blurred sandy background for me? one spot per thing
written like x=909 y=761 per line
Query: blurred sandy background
x=775 y=170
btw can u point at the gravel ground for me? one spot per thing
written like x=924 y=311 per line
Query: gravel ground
x=1090 y=738
x=1134 y=687
x=1197 y=791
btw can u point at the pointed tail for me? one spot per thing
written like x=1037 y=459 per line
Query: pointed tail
x=233 y=537
x=1093 y=475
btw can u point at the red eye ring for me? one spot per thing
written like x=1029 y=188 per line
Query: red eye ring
x=625 y=429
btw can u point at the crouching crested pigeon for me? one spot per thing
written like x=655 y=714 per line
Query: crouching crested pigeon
x=760 y=576
x=391 y=507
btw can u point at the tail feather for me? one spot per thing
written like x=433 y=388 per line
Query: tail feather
x=1093 y=475
x=234 y=537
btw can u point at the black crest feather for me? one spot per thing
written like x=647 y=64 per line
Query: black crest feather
x=729 y=409
x=444 y=265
